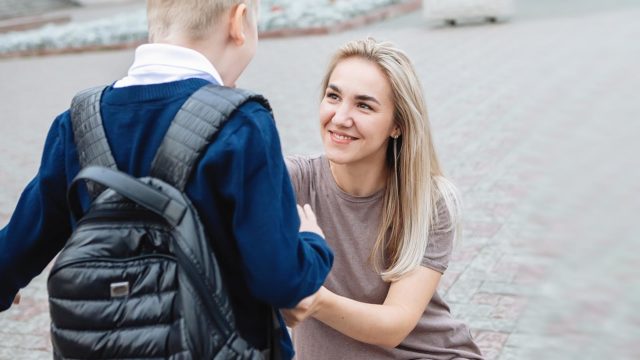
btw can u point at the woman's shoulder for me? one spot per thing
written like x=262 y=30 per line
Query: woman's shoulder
x=303 y=164
x=304 y=170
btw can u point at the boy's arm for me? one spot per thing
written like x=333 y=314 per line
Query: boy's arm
x=40 y=223
x=282 y=266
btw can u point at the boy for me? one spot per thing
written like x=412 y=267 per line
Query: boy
x=240 y=186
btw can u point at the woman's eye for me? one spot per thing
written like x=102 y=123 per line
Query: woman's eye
x=332 y=96
x=365 y=106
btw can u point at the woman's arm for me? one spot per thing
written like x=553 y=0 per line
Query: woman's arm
x=383 y=325
x=387 y=324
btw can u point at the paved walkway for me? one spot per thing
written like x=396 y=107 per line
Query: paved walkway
x=535 y=120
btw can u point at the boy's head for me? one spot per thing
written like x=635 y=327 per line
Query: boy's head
x=225 y=31
x=194 y=18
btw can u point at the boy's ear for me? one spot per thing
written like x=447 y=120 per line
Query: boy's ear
x=236 y=26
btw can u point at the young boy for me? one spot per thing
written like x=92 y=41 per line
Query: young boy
x=240 y=186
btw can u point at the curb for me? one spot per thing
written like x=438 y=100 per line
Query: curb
x=374 y=16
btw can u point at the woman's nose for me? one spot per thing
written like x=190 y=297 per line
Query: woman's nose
x=342 y=116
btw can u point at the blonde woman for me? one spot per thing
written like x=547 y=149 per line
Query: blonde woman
x=388 y=213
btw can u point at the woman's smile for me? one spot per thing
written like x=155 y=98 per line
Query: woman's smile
x=341 y=138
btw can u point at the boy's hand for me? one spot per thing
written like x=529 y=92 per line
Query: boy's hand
x=16 y=300
x=308 y=220
x=305 y=308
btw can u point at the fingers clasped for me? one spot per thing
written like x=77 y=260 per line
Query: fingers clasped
x=305 y=308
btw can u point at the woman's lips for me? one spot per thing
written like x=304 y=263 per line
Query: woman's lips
x=341 y=138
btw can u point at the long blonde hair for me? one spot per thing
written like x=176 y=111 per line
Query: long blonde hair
x=416 y=185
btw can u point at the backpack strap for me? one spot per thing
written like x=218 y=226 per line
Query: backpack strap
x=193 y=128
x=190 y=132
x=129 y=187
x=89 y=136
x=273 y=337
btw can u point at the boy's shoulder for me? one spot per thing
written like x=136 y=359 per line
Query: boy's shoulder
x=255 y=109
x=61 y=125
x=253 y=114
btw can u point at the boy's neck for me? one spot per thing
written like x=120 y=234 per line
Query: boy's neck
x=213 y=48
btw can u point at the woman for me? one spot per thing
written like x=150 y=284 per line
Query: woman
x=388 y=213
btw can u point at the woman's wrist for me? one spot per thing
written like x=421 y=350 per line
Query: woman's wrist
x=323 y=300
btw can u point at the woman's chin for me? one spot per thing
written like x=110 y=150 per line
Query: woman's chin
x=337 y=157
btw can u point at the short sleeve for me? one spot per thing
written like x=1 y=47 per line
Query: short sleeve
x=440 y=244
x=300 y=171
x=295 y=165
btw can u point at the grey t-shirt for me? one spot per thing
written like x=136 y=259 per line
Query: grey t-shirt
x=350 y=225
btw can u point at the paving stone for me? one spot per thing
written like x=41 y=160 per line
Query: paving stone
x=468 y=310
x=489 y=324
x=507 y=288
x=463 y=290
x=511 y=353
x=491 y=343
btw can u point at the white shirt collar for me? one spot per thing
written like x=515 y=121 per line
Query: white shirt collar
x=161 y=63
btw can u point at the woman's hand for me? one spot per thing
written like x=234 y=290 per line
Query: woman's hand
x=305 y=308
x=308 y=220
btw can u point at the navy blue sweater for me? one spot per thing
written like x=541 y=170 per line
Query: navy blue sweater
x=240 y=187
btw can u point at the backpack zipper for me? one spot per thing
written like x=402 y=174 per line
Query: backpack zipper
x=106 y=215
x=62 y=265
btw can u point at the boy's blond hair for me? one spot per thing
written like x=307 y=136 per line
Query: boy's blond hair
x=191 y=17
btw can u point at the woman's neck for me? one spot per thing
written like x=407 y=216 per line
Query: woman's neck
x=359 y=179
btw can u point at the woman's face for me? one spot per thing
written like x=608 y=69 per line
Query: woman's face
x=356 y=114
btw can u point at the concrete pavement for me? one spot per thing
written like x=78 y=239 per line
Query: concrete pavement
x=535 y=120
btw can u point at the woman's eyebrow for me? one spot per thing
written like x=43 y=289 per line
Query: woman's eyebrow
x=367 y=98
x=334 y=88
x=358 y=97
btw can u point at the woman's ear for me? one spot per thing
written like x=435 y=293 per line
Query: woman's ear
x=236 y=26
x=395 y=133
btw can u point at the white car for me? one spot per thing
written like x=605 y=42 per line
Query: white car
x=452 y=11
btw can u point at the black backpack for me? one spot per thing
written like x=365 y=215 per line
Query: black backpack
x=138 y=277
